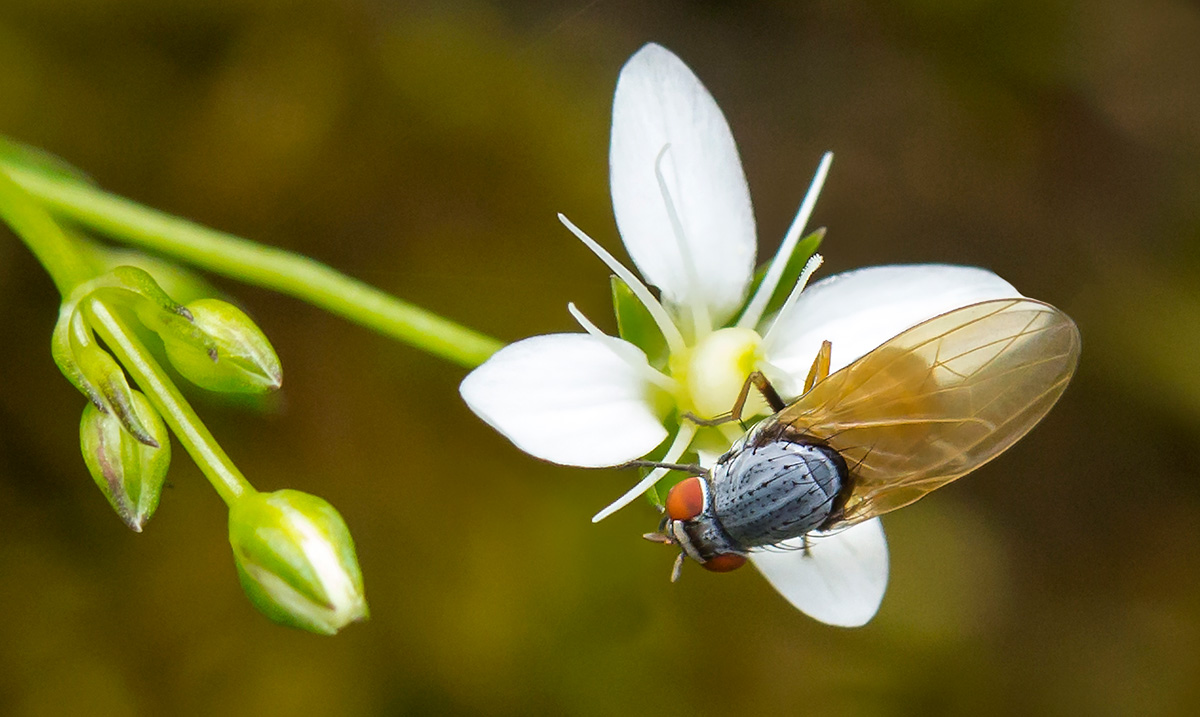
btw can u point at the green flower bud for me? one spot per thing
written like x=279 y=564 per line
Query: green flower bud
x=129 y=472
x=232 y=354
x=94 y=372
x=296 y=561
x=176 y=281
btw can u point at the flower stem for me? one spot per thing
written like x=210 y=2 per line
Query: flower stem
x=256 y=264
x=34 y=225
x=228 y=481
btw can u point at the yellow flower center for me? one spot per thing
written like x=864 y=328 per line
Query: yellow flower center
x=713 y=372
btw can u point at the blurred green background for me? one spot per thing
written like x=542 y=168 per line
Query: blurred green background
x=425 y=149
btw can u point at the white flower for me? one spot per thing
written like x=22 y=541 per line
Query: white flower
x=683 y=209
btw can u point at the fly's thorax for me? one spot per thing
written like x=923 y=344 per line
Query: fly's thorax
x=774 y=486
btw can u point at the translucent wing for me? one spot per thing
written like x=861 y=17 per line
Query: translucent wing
x=939 y=400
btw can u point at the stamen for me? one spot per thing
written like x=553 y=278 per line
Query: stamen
x=813 y=263
x=701 y=322
x=584 y=321
x=754 y=310
x=682 y=440
x=673 y=338
x=646 y=370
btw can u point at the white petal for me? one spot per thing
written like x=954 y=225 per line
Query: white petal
x=841 y=578
x=859 y=310
x=660 y=102
x=573 y=399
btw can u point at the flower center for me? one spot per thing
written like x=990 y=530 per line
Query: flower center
x=715 y=370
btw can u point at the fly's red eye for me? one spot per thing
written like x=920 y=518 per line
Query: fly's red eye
x=685 y=500
x=724 y=562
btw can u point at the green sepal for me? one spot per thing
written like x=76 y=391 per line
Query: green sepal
x=637 y=326
x=134 y=288
x=804 y=250
x=94 y=372
x=129 y=472
x=176 y=281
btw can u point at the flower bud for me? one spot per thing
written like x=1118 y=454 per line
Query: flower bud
x=175 y=281
x=234 y=355
x=94 y=372
x=296 y=561
x=129 y=472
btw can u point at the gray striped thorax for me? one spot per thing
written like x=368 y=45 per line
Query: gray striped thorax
x=772 y=486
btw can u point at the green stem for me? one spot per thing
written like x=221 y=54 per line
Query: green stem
x=253 y=263
x=228 y=481
x=34 y=225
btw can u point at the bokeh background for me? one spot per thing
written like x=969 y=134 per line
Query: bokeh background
x=426 y=148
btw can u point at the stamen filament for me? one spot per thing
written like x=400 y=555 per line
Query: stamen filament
x=754 y=310
x=811 y=266
x=649 y=372
x=674 y=339
x=701 y=321
x=584 y=321
x=682 y=440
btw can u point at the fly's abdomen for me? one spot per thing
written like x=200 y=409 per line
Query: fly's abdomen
x=777 y=490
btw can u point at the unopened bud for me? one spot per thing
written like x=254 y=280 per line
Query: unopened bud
x=94 y=372
x=176 y=281
x=296 y=560
x=129 y=472
x=234 y=357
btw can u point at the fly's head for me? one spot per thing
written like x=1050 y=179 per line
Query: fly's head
x=689 y=522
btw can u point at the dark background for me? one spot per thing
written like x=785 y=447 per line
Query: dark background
x=425 y=150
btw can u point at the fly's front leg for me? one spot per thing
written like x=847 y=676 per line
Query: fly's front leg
x=677 y=569
x=774 y=400
x=693 y=469
x=755 y=379
x=820 y=368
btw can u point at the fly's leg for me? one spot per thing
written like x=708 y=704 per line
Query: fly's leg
x=818 y=373
x=755 y=379
x=774 y=400
x=677 y=570
x=820 y=367
x=668 y=540
x=693 y=469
